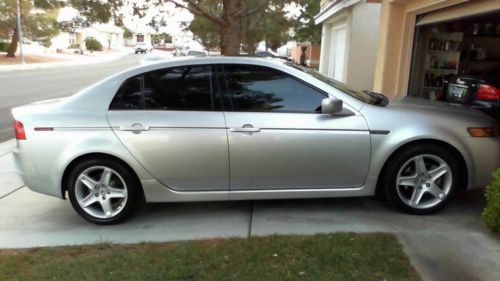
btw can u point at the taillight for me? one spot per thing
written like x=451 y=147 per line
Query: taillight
x=19 y=130
x=488 y=92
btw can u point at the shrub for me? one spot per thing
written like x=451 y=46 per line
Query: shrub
x=4 y=46
x=92 y=44
x=491 y=213
x=74 y=46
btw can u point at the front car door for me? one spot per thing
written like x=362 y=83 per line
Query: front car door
x=171 y=122
x=279 y=139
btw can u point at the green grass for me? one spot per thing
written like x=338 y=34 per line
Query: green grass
x=343 y=256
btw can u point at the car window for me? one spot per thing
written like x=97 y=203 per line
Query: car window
x=256 y=88
x=129 y=96
x=179 y=88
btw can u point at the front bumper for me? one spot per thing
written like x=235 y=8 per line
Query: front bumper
x=484 y=159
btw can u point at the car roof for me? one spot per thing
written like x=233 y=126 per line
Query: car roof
x=179 y=61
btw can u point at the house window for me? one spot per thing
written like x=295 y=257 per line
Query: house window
x=140 y=38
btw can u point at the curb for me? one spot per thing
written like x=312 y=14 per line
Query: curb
x=48 y=65
x=7 y=147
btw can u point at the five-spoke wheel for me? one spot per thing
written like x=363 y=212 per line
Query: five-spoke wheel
x=421 y=179
x=102 y=190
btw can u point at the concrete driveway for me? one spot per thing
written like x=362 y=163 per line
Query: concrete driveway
x=451 y=245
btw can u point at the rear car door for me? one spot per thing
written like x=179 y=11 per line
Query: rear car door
x=279 y=139
x=170 y=121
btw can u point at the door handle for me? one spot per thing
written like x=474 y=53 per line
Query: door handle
x=247 y=128
x=136 y=127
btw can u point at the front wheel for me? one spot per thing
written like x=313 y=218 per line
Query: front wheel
x=102 y=191
x=421 y=179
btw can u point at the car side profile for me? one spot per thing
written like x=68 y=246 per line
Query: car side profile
x=239 y=128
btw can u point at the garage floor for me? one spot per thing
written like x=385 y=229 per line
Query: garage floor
x=451 y=245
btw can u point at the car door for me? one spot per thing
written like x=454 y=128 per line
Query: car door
x=279 y=139
x=171 y=122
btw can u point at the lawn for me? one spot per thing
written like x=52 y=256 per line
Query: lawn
x=342 y=256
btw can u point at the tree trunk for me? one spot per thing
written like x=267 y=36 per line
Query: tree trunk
x=230 y=32
x=13 y=45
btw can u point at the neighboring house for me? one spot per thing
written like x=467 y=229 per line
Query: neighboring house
x=423 y=41
x=349 y=41
x=109 y=35
x=140 y=34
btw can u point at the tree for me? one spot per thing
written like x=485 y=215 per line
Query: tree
x=226 y=14
x=38 y=21
x=161 y=36
x=203 y=29
x=39 y=18
x=305 y=27
x=259 y=22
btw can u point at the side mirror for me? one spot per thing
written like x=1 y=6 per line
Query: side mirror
x=331 y=106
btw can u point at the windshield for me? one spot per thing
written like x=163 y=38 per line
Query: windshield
x=371 y=98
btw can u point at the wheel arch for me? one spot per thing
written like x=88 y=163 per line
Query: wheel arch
x=464 y=170
x=83 y=157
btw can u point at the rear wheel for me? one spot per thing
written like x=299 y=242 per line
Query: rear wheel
x=102 y=191
x=421 y=179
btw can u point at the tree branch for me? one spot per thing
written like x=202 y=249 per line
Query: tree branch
x=199 y=11
x=252 y=11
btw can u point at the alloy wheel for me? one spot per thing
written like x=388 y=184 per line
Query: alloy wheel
x=101 y=192
x=424 y=181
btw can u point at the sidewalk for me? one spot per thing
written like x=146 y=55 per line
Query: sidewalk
x=450 y=245
x=70 y=60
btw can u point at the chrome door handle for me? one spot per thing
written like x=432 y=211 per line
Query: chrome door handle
x=247 y=128
x=136 y=127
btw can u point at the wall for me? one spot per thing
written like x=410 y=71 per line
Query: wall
x=364 y=30
x=312 y=55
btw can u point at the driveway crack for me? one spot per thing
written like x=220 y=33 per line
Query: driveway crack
x=1 y=197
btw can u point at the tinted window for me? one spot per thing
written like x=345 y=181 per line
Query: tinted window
x=129 y=96
x=180 y=88
x=255 y=88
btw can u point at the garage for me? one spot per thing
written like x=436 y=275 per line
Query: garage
x=456 y=57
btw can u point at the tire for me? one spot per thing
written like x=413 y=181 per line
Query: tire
x=421 y=179
x=103 y=191
x=136 y=53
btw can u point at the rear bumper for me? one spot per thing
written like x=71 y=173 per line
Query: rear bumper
x=484 y=160
x=29 y=174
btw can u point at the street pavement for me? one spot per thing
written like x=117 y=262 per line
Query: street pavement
x=19 y=87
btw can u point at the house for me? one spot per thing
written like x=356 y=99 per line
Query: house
x=140 y=34
x=349 y=41
x=109 y=35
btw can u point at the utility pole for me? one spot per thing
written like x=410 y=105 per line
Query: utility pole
x=20 y=31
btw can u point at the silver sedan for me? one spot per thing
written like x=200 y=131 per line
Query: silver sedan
x=222 y=128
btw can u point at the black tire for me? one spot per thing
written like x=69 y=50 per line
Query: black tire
x=396 y=162
x=132 y=189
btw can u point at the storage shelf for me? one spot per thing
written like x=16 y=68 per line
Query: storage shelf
x=442 y=52
x=440 y=70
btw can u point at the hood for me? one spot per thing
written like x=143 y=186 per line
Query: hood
x=424 y=105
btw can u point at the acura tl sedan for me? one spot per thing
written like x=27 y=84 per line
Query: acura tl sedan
x=236 y=128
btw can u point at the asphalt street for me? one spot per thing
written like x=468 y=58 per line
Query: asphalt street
x=20 y=87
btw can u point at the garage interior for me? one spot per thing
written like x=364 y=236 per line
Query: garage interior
x=446 y=49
